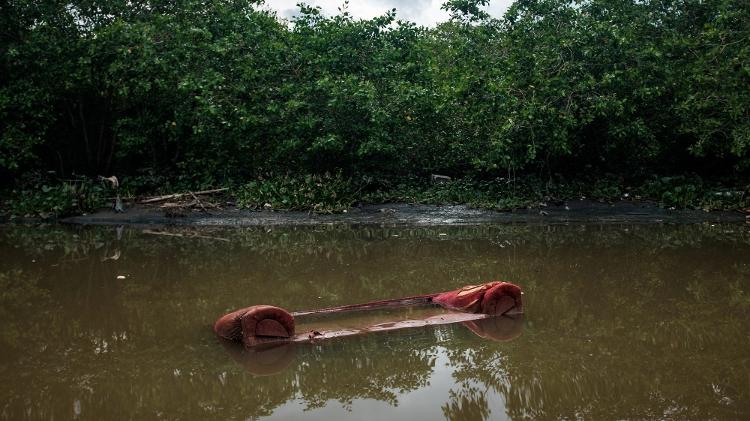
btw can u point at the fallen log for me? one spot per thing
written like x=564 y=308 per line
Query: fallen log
x=178 y=195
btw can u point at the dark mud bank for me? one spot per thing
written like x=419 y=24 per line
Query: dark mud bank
x=407 y=214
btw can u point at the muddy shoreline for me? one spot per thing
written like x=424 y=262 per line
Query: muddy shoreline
x=417 y=215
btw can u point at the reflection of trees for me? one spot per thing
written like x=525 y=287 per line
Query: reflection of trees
x=19 y=297
x=620 y=323
x=376 y=367
x=468 y=404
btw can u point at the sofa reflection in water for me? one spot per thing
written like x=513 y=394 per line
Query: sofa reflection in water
x=274 y=357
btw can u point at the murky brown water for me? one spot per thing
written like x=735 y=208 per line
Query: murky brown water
x=622 y=322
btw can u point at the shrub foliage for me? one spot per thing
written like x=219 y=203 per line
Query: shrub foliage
x=218 y=91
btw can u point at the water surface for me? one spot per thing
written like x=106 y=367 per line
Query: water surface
x=622 y=322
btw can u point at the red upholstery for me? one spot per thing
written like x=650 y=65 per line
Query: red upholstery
x=256 y=324
x=493 y=298
x=229 y=326
x=501 y=298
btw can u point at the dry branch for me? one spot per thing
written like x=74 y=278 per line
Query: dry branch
x=198 y=201
x=178 y=195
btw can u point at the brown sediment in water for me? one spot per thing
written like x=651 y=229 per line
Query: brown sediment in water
x=126 y=316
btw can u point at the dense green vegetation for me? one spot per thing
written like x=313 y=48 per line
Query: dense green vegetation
x=188 y=94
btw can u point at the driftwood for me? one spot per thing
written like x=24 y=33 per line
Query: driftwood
x=198 y=201
x=178 y=195
x=191 y=204
x=180 y=209
x=439 y=179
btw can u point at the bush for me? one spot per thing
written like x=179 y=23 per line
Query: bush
x=693 y=192
x=324 y=193
x=57 y=199
x=219 y=93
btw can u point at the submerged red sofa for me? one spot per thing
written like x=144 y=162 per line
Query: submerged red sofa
x=263 y=323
